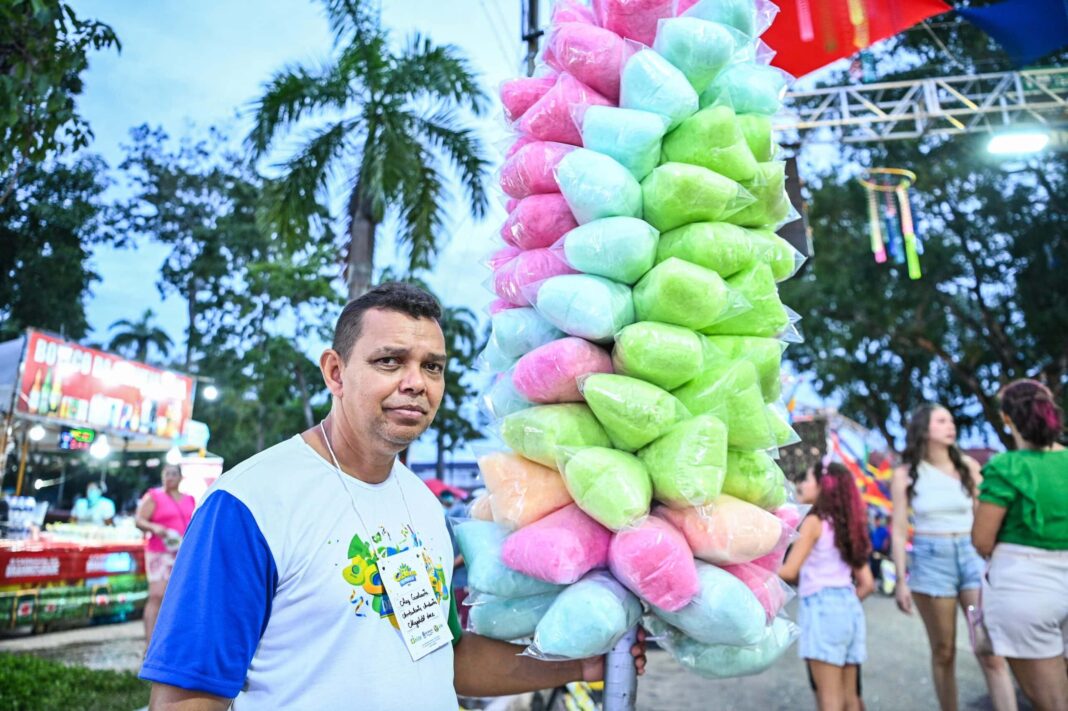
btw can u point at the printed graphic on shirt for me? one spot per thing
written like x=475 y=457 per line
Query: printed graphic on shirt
x=369 y=595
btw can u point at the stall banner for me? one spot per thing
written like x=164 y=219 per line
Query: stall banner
x=78 y=385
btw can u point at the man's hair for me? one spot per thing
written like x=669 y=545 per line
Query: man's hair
x=398 y=296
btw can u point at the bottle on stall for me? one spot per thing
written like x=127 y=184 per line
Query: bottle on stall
x=34 y=399
x=57 y=394
x=46 y=393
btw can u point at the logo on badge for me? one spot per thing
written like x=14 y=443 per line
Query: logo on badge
x=404 y=575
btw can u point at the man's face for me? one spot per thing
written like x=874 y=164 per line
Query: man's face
x=393 y=381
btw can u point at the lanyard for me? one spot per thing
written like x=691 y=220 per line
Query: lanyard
x=352 y=499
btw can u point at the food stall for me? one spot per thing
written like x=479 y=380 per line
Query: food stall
x=66 y=401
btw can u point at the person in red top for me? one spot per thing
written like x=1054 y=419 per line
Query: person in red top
x=163 y=514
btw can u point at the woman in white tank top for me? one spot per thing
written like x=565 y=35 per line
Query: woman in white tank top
x=938 y=482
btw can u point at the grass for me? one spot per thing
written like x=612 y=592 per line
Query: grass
x=28 y=683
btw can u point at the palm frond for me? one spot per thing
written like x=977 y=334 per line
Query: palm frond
x=421 y=214
x=352 y=17
x=292 y=94
x=438 y=72
x=465 y=151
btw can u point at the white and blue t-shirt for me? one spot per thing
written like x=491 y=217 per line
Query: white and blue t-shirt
x=275 y=597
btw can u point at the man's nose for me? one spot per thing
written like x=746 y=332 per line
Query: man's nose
x=413 y=380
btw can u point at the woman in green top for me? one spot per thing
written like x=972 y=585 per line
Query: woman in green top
x=1022 y=526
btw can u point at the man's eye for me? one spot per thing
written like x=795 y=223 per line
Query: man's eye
x=388 y=362
x=435 y=367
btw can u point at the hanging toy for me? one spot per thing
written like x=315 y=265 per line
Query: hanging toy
x=892 y=227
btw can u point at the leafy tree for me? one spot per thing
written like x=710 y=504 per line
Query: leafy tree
x=43 y=52
x=139 y=335
x=453 y=426
x=989 y=307
x=48 y=228
x=392 y=116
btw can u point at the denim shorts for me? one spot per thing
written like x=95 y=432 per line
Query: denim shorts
x=833 y=629
x=942 y=566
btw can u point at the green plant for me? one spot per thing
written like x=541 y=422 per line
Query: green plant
x=28 y=683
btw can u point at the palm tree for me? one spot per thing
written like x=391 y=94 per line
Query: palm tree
x=386 y=118
x=140 y=334
x=452 y=429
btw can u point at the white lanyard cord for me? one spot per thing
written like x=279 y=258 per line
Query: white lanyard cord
x=352 y=500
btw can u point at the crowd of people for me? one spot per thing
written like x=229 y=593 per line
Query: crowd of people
x=991 y=542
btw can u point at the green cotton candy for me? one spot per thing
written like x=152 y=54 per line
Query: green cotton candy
x=688 y=463
x=764 y=353
x=780 y=427
x=739 y=14
x=659 y=353
x=630 y=137
x=772 y=204
x=622 y=249
x=632 y=412
x=612 y=487
x=539 y=433
x=758 y=135
x=756 y=478
x=676 y=194
x=713 y=139
x=729 y=390
x=766 y=317
x=779 y=254
x=683 y=294
x=749 y=88
x=720 y=246
x=697 y=48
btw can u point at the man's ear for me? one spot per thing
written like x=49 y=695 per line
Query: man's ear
x=330 y=364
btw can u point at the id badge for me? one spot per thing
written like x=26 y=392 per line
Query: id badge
x=423 y=624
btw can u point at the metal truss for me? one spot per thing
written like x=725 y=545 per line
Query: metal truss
x=933 y=106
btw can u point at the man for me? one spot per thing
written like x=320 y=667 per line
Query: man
x=94 y=507
x=277 y=598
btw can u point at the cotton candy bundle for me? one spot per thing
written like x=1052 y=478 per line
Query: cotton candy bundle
x=766 y=315
x=538 y=221
x=770 y=591
x=676 y=194
x=724 y=661
x=654 y=562
x=650 y=83
x=511 y=280
x=777 y=253
x=518 y=331
x=502 y=399
x=596 y=186
x=632 y=412
x=726 y=531
x=549 y=118
x=586 y=619
x=764 y=353
x=518 y=95
x=481 y=508
x=591 y=54
x=538 y=433
x=729 y=390
x=724 y=611
x=712 y=138
x=756 y=478
x=633 y=19
x=480 y=543
x=750 y=17
x=658 y=353
x=622 y=249
x=521 y=491
x=683 y=294
x=630 y=137
x=548 y=373
x=772 y=204
x=758 y=135
x=560 y=548
x=688 y=463
x=613 y=487
x=586 y=306
x=697 y=48
x=531 y=170
x=509 y=618
x=720 y=246
x=749 y=88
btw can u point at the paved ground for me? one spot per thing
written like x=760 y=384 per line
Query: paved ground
x=896 y=675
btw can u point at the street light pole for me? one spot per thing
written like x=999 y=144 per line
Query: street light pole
x=530 y=32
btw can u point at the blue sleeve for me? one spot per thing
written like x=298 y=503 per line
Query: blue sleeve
x=217 y=604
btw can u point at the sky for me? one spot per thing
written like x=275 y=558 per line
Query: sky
x=186 y=66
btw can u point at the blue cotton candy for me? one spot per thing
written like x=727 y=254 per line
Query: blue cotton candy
x=502 y=399
x=697 y=48
x=721 y=661
x=480 y=543
x=725 y=610
x=508 y=618
x=519 y=331
x=597 y=186
x=742 y=15
x=630 y=137
x=748 y=89
x=622 y=249
x=587 y=619
x=650 y=83
x=586 y=306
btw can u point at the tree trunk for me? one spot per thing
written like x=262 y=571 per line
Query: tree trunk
x=302 y=386
x=359 y=262
x=440 y=467
x=191 y=307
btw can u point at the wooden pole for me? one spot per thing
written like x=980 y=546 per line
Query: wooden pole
x=22 y=464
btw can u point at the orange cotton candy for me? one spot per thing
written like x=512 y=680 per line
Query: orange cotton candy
x=521 y=491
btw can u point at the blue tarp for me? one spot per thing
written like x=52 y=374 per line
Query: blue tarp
x=1026 y=29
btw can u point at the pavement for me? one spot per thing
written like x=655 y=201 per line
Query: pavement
x=896 y=677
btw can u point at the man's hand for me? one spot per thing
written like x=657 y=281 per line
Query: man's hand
x=593 y=668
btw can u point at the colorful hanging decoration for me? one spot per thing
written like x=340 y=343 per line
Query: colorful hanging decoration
x=893 y=231
x=810 y=34
x=1027 y=30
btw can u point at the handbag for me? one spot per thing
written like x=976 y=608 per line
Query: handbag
x=977 y=632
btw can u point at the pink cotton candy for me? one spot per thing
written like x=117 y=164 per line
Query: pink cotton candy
x=560 y=548
x=790 y=515
x=538 y=221
x=519 y=142
x=765 y=584
x=510 y=204
x=550 y=119
x=530 y=267
x=727 y=531
x=518 y=95
x=653 y=561
x=591 y=54
x=502 y=256
x=632 y=19
x=498 y=305
x=571 y=11
x=530 y=170
x=548 y=373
